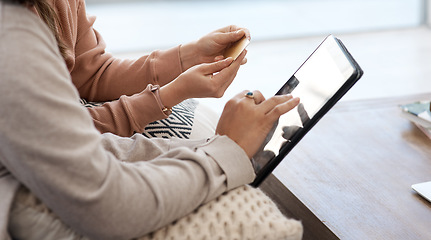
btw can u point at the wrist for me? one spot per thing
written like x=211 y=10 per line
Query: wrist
x=155 y=89
x=170 y=95
x=188 y=56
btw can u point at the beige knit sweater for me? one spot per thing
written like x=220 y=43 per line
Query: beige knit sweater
x=102 y=186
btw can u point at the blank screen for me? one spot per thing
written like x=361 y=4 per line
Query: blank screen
x=315 y=82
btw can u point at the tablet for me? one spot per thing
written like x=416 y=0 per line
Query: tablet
x=327 y=74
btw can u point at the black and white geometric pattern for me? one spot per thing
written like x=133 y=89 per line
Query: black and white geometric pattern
x=90 y=104
x=179 y=124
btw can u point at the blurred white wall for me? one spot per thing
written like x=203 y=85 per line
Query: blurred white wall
x=151 y=24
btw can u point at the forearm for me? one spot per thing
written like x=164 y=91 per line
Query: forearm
x=148 y=195
x=107 y=78
x=118 y=200
x=188 y=55
x=101 y=77
x=128 y=115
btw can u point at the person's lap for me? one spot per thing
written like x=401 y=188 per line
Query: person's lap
x=242 y=213
x=255 y=215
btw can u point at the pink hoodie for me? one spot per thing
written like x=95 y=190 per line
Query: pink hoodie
x=99 y=76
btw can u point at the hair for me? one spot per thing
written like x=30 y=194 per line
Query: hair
x=49 y=16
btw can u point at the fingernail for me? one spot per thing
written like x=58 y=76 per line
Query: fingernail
x=228 y=59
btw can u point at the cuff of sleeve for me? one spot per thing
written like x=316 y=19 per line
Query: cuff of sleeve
x=142 y=108
x=189 y=143
x=167 y=65
x=232 y=160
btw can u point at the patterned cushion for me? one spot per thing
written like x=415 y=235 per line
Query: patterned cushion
x=242 y=213
x=180 y=124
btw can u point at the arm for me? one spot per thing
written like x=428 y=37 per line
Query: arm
x=131 y=114
x=100 y=185
x=128 y=115
x=99 y=76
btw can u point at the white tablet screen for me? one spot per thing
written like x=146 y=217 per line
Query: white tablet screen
x=315 y=82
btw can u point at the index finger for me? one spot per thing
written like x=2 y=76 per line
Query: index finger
x=228 y=74
x=231 y=34
x=268 y=105
x=282 y=108
x=244 y=31
x=234 y=28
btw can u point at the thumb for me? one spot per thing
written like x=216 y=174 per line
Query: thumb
x=230 y=37
x=214 y=67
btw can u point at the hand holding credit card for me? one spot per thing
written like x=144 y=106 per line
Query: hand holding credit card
x=236 y=48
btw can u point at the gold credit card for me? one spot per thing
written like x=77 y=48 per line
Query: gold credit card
x=236 y=49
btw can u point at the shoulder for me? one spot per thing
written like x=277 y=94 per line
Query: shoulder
x=28 y=49
x=67 y=8
x=23 y=36
x=18 y=24
x=80 y=4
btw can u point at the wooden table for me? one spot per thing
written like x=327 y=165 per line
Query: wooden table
x=350 y=177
